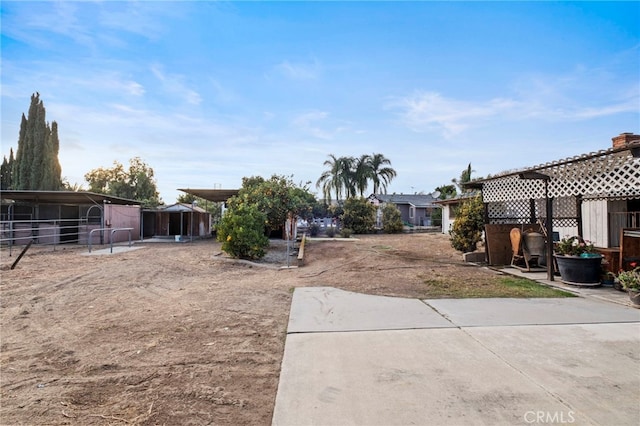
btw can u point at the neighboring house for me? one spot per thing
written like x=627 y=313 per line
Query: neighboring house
x=593 y=195
x=56 y=217
x=450 y=207
x=416 y=209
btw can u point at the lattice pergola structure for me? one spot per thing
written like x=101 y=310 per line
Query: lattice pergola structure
x=612 y=174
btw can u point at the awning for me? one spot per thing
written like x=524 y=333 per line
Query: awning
x=216 y=195
x=63 y=197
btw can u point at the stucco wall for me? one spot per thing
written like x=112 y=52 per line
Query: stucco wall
x=116 y=216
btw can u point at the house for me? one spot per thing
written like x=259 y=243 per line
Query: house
x=592 y=195
x=416 y=209
x=450 y=207
x=57 y=217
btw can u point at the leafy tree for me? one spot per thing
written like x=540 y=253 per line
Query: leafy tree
x=136 y=183
x=241 y=232
x=391 y=219
x=75 y=187
x=279 y=198
x=466 y=232
x=36 y=166
x=319 y=209
x=359 y=215
x=446 y=191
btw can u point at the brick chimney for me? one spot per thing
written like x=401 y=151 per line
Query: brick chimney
x=623 y=139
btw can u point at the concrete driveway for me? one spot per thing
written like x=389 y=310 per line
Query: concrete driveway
x=353 y=359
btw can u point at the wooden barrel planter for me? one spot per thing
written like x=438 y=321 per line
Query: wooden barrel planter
x=580 y=271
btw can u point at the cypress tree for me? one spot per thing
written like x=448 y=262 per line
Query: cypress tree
x=38 y=131
x=51 y=166
x=36 y=165
x=6 y=171
x=18 y=171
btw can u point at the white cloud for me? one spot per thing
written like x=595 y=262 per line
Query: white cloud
x=141 y=18
x=426 y=111
x=580 y=94
x=299 y=71
x=318 y=125
x=175 y=85
x=575 y=96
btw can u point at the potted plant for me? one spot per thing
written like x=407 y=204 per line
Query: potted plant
x=578 y=262
x=630 y=281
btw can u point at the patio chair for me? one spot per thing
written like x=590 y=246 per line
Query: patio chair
x=516 y=246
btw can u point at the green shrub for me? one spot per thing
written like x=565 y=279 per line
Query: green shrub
x=331 y=231
x=359 y=215
x=345 y=232
x=241 y=232
x=391 y=219
x=314 y=228
x=466 y=232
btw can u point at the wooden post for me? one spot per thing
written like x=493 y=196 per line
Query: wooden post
x=21 y=254
x=549 y=205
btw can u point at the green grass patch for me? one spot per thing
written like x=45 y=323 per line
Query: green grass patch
x=498 y=286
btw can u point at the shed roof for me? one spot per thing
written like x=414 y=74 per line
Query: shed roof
x=458 y=198
x=63 y=197
x=216 y=195
x=183 y=207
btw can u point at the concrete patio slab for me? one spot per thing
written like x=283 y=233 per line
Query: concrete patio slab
x=107 y=251
x=572 y=310
x=593 y=368
x=491 y=361
x=316 y=309
x=407 y=377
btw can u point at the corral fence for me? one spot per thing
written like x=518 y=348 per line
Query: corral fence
x=19 y=232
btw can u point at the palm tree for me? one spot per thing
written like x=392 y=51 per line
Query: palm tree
x=465 y=177
x=340 y=175
x=353 y=174
x=347 y=175
x=380 y=174
x=362 y=173
x=329 y=180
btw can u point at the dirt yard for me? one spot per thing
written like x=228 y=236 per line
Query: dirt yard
x=176 y=333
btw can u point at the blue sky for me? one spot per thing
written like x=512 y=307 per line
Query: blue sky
x=209 y=92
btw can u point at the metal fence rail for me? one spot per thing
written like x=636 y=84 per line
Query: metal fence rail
x=42 y=232
x=112 y=231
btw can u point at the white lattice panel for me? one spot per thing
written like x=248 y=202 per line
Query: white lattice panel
x=614 y=176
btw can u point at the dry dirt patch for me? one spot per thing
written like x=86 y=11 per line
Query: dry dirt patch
x=177 y=333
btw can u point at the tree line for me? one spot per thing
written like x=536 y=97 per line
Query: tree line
x=36 y=167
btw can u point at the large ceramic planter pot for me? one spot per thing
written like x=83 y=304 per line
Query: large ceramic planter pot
x=581 y=271
x=634 y=296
